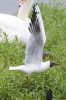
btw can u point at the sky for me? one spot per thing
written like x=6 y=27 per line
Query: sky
x=11 y=6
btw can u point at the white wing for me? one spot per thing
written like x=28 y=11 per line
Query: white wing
x=35 y=44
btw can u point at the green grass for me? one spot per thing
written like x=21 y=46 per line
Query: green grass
x=12 y=83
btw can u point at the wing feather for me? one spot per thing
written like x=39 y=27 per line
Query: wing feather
x=34 y=49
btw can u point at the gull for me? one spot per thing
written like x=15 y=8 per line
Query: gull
x=34 y=49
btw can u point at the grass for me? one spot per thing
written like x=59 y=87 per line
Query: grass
x=12 y=83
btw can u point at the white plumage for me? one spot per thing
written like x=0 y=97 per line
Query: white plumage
x=34 y=50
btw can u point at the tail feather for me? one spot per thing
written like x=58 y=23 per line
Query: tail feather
x=15 y=68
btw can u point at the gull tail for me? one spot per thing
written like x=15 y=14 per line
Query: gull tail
x=17 y=67
x=13 y=68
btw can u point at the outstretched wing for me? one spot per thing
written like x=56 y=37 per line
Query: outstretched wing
x=34 y=13
x=35 y=44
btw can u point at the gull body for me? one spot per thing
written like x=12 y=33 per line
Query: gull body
x=34 y=68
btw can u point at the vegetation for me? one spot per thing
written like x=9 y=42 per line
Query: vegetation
x=13 y=83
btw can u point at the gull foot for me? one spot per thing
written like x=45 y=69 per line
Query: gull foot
x=45 y=55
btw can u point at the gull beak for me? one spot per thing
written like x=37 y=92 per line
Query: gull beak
x=52 y=63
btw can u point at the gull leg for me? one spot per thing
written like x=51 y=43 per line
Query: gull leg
x=46 y=55
x=27 y=82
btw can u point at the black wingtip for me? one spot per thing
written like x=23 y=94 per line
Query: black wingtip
x=49 y=95
x=34 y=13
x=34 y=16
x=34 y=27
